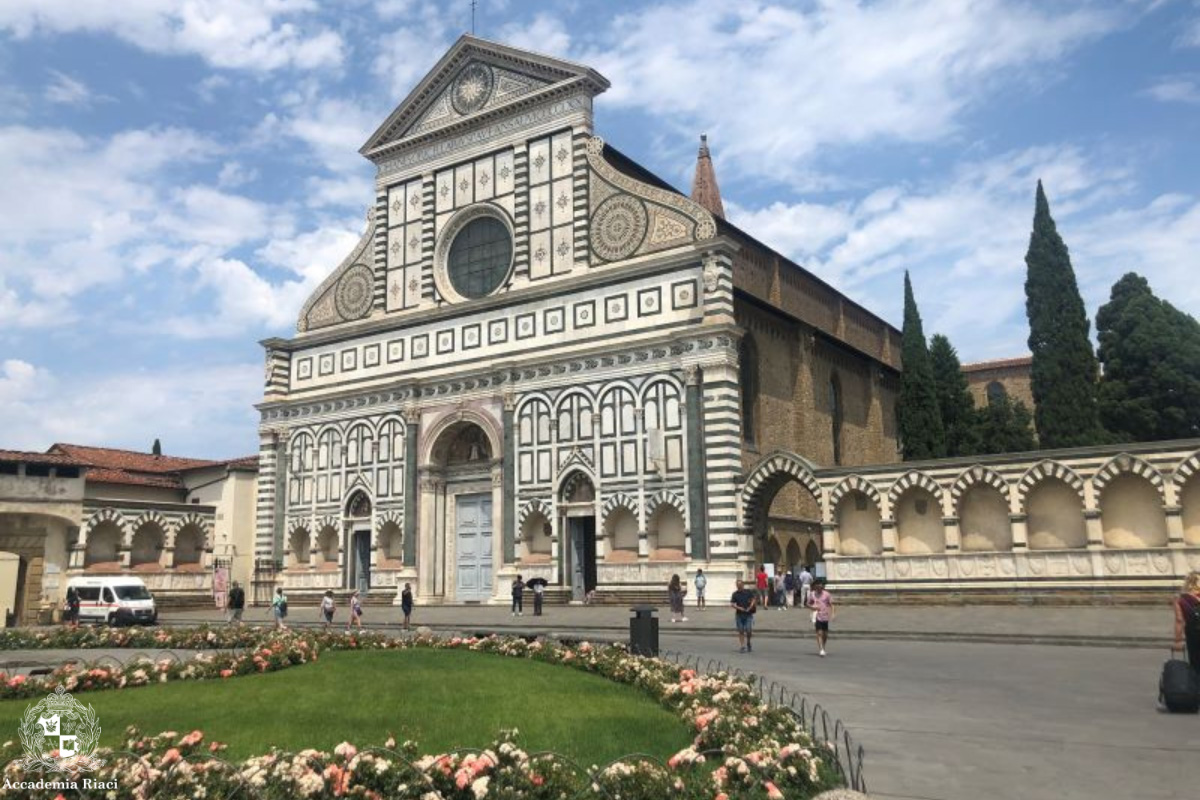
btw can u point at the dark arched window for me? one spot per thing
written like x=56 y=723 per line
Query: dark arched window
x=996 y=392
x=748 y=376
x=835 y=416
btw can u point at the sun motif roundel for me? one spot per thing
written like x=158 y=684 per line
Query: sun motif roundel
x=472 y=88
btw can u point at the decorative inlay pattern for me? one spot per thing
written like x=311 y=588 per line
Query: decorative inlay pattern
x=472 y=88
x=354 y=292
x=618 y=227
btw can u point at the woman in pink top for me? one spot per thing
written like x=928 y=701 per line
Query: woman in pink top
x=821 y=602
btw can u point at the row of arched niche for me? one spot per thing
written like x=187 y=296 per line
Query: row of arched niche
x=1129 y=498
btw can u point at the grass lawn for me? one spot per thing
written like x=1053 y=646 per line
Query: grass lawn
x=440 y=698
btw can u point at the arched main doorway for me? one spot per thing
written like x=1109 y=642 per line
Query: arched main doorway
x=462 y=510
x=577 y=507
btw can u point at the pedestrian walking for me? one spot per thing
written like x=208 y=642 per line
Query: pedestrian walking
x=806 y=579
x=760 y=583
x=406 y=604
x=518 y=590
x=539 y=593
x=744 y=603
x=279 y=609
x=236 y=603
x=327 y=608
x=675 y=593
x=789 y=588
x=821 y=602
x=355 y=619
x=701 y=585
x=1187 y=620
x=71 y=608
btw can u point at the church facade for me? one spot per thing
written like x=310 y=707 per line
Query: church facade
x=541 y=359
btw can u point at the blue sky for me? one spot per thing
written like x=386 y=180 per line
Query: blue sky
x=175 y=177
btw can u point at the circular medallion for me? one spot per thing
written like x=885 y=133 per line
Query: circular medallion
x=472 y=88
x=618 y=227
x=353 y=294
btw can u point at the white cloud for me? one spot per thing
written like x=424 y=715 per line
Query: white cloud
x=545 y=34
x=832 y=75
x=1176 y=89
x=964 y=240
x=65 y=90
x=234 y=174
x=201 y=411
x=259 y=35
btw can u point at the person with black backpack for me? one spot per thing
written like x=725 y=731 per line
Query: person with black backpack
x=1187 y=619
x=279 y=609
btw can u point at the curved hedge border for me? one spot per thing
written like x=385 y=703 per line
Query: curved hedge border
x=762 y=751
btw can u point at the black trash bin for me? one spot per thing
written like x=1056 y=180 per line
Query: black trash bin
x=643 y=631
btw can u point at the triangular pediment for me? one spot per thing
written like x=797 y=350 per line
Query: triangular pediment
x=477 y=80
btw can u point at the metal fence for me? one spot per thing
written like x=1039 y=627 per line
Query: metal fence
x=811 y=716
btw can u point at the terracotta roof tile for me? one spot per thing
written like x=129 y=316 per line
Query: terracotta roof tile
x=38 y=458
x=125 y=477
x=999 y=363
x=110 y=458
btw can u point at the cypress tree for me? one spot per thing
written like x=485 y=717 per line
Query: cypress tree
x=919 y=419
x=1150 y=389
x=1065 y=371
x=156 y=448
x=1005 y=426
x=959 y=418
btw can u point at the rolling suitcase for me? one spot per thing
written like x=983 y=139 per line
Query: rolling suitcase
x=1179 y=688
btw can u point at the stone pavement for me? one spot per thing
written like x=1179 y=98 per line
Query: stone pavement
x=1148 y=627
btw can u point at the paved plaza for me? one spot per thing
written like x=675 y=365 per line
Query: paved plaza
x=949 y=703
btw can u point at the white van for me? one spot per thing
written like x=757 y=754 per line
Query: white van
x=114 y=600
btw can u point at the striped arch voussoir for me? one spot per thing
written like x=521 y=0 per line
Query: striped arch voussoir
x=392 y=515
x=1187 y=469
x=297 y=524
x=1122 y=464
x=106 y=515
x=530 y=508
x=914 y=479
x=193 y=520
x=974 y=476
x=769 y=474
x=668 y=497
x=615 y=501
x=1049 y=469
x=150 y=517
x=854 y=483
x=327 y=521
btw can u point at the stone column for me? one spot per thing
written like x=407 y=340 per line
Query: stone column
x=1174 y=516
x=508 y=493
x=697 y=522
x=1020 y=531
x=952 y=534
x=412 y=430
x=1095 y=528
x=830 y=539
x=430 y=488
x=888 y=531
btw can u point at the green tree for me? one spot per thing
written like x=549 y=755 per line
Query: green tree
x=1005 y=426
x=1150 y=389
x=1065 y=371
x=156 y=449
x=920 y=420
x=959 y=418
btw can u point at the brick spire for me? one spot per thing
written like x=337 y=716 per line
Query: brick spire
x=704 y=185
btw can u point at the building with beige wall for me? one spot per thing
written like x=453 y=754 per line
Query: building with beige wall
x=87 y=510
x=1009 y=377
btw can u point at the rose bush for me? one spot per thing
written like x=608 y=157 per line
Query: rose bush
x=743 y=748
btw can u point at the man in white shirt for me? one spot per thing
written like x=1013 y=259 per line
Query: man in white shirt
x=806 y=579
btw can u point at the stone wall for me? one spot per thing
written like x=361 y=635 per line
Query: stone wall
x=1122 y=520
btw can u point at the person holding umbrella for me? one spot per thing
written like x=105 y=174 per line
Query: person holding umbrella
x=538 y=586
